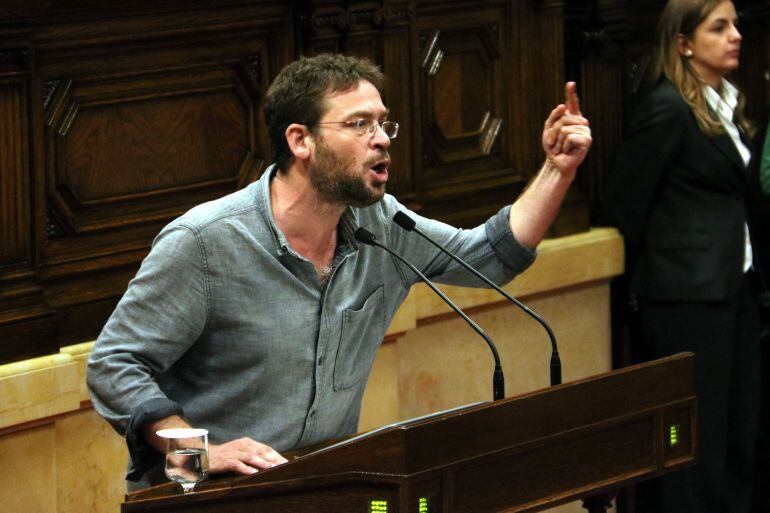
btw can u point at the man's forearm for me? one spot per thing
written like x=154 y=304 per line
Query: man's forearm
x=534 y=211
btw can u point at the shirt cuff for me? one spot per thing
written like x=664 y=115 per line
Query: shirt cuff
x=142 y=455
x=509 y=250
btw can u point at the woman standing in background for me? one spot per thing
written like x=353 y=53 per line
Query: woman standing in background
x=678 y=196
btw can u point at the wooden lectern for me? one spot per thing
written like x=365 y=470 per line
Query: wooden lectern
x=526 y=453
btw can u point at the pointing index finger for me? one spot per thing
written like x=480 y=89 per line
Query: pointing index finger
x=571 y=98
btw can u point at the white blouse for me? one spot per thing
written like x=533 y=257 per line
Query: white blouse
x=724 y=107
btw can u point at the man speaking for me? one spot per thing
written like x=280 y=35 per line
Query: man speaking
x=257 y=316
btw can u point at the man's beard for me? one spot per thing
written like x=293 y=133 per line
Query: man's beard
x=335 y=180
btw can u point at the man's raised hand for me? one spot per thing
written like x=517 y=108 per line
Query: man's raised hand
x=566 y=133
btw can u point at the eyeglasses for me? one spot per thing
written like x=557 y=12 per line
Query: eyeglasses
x=362 y=126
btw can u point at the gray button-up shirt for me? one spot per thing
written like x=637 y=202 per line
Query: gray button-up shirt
x=227 y=324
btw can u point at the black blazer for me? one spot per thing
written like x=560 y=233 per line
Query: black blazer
x=678 y=197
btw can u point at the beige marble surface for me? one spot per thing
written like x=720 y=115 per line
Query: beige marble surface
x=90 y=464
x=58 y=456
x=28 y=471
x=596 y=255
x=38 y=389
x=79 y=354
x=445 y=364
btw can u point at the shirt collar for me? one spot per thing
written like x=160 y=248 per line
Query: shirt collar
x=724 y=104
x=263 y=202
x=347 y=229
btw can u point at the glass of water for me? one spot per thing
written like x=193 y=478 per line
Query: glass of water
x=187 y=456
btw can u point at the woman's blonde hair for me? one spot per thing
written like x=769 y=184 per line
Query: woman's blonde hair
x=682 y=17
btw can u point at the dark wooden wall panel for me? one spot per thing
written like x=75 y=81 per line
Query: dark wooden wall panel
x=462 y=96
x=118 y=117
x=23 y=310
x=397 y=62
x=112 y=147
x=473 y=151
x=15 y=244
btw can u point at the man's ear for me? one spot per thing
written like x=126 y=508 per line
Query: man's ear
x=300 y=141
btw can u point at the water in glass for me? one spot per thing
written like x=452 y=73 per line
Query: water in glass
x=187 y=458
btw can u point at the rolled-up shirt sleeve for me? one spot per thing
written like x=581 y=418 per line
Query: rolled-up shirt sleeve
x=143 y=456
x=510 y=251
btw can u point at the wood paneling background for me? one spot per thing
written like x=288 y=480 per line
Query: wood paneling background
x=116 y=117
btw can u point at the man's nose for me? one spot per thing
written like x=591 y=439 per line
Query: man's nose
x=379 y=138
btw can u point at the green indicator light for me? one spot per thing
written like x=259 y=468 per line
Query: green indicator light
x=378 y=506
x=673 y=435
x=423 y=505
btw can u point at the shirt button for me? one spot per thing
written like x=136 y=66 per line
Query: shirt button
x=320 y=361
x=312 y=414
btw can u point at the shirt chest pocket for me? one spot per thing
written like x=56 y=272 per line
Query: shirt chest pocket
x=360 y=336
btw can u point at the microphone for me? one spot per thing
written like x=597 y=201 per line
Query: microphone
x=408 y=224
x=498 y=380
